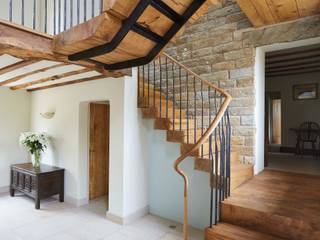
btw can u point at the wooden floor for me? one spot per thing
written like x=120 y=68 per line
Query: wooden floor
x=282 y=205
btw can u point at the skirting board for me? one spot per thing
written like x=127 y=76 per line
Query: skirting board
x=130 y=218
x=4 y=189
x=76 y=202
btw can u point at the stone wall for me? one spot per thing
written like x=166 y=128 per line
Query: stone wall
x=220 y=47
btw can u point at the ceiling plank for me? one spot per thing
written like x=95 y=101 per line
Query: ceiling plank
x=294 y=61
x=308 y=7
x=294 y=69
x=294 y=66
x=294 y=72
x=67 y=83
x=17 y=65
x=251 y=12
x=51 y=78
x=17 y=78
x=286 y=9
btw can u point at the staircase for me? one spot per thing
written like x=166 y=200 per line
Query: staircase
x=272 y=205
x=194 y=113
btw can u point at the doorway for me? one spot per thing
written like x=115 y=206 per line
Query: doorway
x=99 y=152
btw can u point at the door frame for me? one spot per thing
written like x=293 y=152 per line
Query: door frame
x=259 y=82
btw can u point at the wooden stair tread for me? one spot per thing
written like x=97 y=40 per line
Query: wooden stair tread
x=280 y=203
x=225 y=231
x=103 y=28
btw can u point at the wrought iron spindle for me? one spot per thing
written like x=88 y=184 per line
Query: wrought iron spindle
x=60 y=16
x=154 y=84
x=54 y=17
x=101 y=6
x=85 y=11
x=45 y=16
x=187 y=79
x=34 y=14
x=78 y=12
x=174 y=97
x=160 y=86
x=71 y=13
x=22 y=12
x=143 y=84
x=202 y=120
x=195 y=110
x=148 y=85
x=180 y=90
x=65 y=15
x=167 y=87
x=10 y=11
x=92 y=8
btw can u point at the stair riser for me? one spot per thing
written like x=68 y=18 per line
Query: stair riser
x=165 y=124
x=276 y=225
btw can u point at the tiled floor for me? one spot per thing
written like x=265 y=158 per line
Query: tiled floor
x=60 y=221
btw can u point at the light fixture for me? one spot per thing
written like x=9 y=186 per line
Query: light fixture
x=48 y=115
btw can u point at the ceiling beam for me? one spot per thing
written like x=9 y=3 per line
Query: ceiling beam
x=81 y=80
x=51 y=78
x=291 y=62
x=17 y=78
x=17 y=65
x=293 y=73
x=294 y=67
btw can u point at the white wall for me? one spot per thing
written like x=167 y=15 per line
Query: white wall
x=293 y=113
x=166 y=186
x=14 y=119
x=69 y=129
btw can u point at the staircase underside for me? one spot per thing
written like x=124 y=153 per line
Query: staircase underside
x=279 y=204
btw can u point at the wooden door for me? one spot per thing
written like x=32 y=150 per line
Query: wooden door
x=99 y=150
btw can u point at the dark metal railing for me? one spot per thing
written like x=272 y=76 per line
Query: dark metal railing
x=50 y=16
x=197 y=110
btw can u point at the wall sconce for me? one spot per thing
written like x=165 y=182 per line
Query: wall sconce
x=48 y=115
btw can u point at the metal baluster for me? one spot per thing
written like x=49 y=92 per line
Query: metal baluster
x=143 y=84
x=154 y=83
x=34 y=14
x=85 y=11
x=59 y=28
x=10 y=11
x=160 y=86
x=211 y=179
x=54 y=17
x=202 y=116
x=148 y=85
x=167 y=88
x=180 y=89
x=78 y=12
x=22 y=12
x=229 y=153
x=92 y=10
x=216 y=165
x=45 y=16
x=138 y=92
x=195 y=110
x=65 y=15
x=71 y=14
x=187 y=78
x=101 y=6
x=174 y=98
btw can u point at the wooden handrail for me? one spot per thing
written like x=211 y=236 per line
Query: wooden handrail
x=213 y=125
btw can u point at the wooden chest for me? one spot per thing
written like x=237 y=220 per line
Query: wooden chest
x=37 y=183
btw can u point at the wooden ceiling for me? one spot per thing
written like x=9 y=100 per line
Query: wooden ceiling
x=266 y=12
x=293 y=61
x=36 y=74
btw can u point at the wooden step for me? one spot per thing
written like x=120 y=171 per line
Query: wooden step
x=204 y=150
x=154 y=112
x=102 y=29
x=286 y=205
x=183 y=136
x=225 y=231
x=240 y=172
x=167 y=124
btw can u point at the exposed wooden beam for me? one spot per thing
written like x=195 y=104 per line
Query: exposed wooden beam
x=25 y=43
x=17 y=65
x=51 y=78
x=283 y=55
x=67 y=83
x=293 y=73
x=17 y=78
x=293 y=67
x=295 y=61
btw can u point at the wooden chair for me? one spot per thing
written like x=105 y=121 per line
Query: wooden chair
x=308 y=133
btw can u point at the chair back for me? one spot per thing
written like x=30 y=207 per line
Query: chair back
x=309 y=131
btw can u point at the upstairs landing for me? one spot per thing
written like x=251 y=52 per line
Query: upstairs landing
x=280 y=204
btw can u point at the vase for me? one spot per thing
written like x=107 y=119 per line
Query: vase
x=36 y=159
